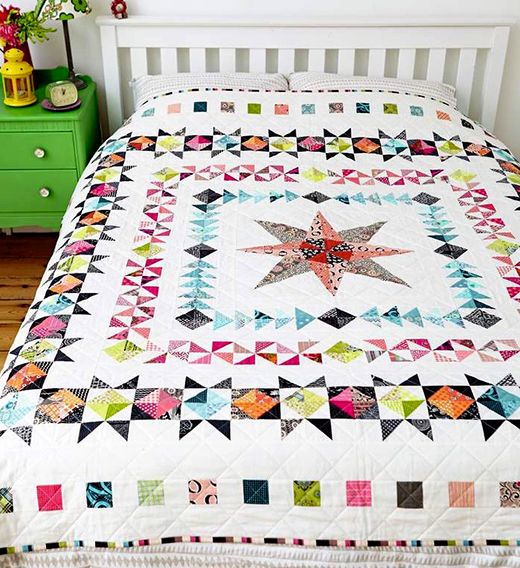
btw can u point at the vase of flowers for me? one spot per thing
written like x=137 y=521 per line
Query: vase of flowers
x=17 y=28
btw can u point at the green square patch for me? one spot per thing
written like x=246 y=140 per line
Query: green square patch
x=254 y=108
x=151 y=492
x=390 y=108
x=307 y=493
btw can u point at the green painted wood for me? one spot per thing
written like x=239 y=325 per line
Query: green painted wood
x=20 y=190
x=69 y=139
x=19 y=150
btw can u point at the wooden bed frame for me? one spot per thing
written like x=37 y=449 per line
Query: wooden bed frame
x=469 y=55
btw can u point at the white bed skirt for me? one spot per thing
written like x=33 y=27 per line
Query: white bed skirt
x=189 y=555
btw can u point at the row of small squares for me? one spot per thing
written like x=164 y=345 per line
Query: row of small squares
x=99 y=494
x=306 y=108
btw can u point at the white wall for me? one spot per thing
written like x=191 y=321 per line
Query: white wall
x=87 y=56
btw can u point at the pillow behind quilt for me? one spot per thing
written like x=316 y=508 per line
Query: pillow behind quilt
x=314 y=81
x=149 y=86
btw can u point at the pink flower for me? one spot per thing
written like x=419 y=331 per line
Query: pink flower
x=9 y=34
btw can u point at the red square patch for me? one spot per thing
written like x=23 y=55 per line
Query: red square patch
x=359 y=494
x=49 y=497
x=281 y=109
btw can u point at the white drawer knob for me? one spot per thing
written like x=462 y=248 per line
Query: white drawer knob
x=44 y=192
x=39 y=153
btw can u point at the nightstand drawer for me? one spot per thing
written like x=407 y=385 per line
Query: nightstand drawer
x=36 y=150
x=36 y=191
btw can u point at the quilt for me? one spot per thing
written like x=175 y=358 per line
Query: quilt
x=278 y=318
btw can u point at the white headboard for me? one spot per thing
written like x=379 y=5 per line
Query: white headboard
x=469 y=55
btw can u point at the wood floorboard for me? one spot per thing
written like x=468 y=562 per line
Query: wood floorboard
x=23 y=258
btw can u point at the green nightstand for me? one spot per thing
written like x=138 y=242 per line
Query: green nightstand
x=43 y=154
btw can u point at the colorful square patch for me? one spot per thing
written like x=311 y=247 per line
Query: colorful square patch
x=461 y=493
x=510 y=494
x=99 y=495
x=409 y=495
x=6 y=501
x=363 y=108
x=150 y=492
x=49 y=497
x=307 y=493
x=254 y=108
x=202 y=491
x=281 y=109
x=256 y=491
x=227 y=106
x=308 y=108
x=335 y=108
x=359 y=493
x=390 y=108
x=416 y=110
x=200 y=106
x=174 y=108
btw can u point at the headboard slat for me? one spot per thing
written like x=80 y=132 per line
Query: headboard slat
x=376 y=62
x=138 y=61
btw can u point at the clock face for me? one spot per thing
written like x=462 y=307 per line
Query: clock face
x=63 y=93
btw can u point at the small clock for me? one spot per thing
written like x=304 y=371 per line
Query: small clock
x=61 y=95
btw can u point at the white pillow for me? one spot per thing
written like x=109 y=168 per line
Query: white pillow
x=312 y=81
x=149 y=86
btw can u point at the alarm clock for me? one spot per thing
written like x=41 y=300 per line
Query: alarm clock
x=61 y=95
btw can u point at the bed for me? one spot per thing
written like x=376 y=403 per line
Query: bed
x=278 y=328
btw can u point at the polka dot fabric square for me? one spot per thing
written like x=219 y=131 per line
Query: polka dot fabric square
x=227 y=106
x=49 y=497
x=203 y=492
x=359 y=493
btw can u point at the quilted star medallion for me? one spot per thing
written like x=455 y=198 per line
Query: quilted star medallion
x=326 y=252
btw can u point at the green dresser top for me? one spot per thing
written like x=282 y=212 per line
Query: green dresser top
x=35 y=112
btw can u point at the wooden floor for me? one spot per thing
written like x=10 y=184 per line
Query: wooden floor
x=23 y=258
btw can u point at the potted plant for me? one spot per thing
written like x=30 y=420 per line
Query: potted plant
x=17 y=28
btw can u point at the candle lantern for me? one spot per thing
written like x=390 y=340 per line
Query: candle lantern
x=17 y=80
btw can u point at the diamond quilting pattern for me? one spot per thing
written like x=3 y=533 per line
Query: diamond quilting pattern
x=269 y=314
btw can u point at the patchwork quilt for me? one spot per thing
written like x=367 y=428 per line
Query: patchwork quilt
x=274 y=318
